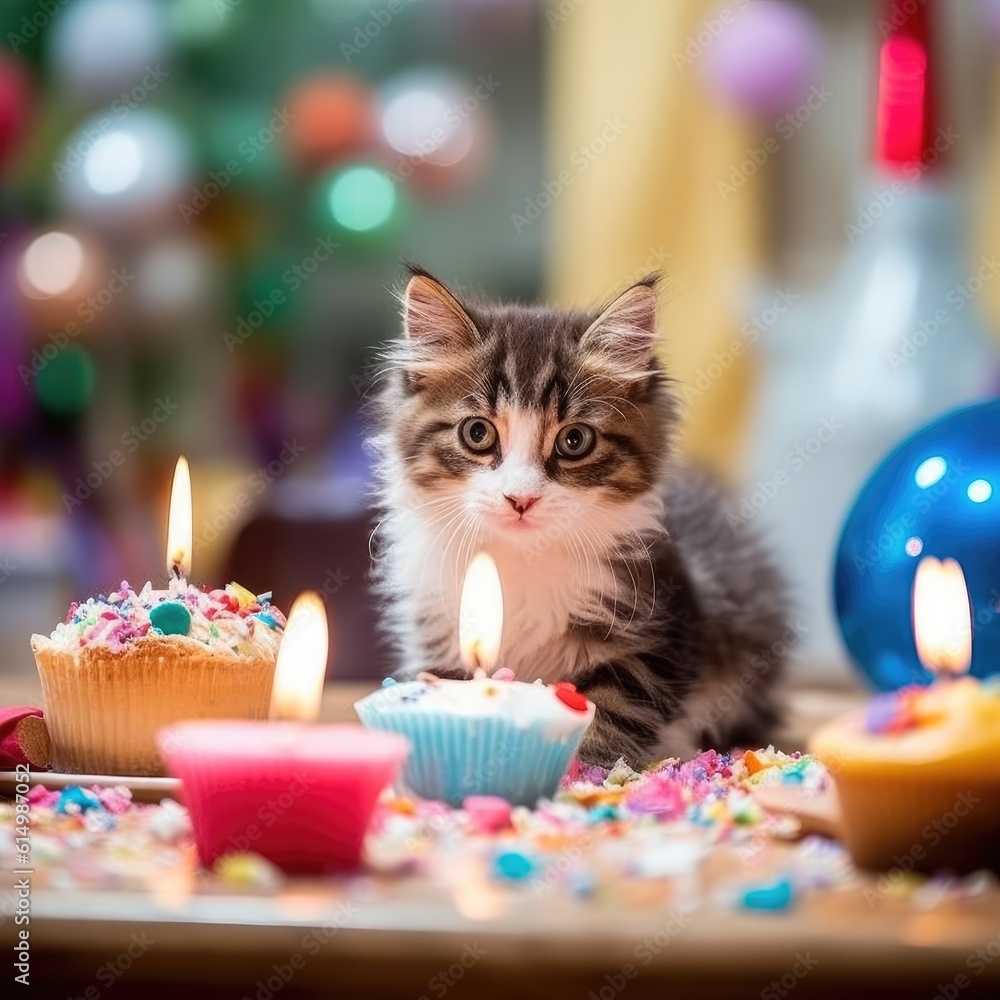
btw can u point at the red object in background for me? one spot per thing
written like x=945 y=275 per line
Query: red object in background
x=905 y=117
x=334 y=117
x=901 y=90
x=24 y=737
x=15 y=102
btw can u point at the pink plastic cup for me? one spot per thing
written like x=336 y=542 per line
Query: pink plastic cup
x=300 y=795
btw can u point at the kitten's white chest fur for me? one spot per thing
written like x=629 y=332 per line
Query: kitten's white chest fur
x=542 y=592
x=548 y=581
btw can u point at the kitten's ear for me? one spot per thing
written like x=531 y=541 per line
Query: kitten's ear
x=624 y=335
x=433 y=318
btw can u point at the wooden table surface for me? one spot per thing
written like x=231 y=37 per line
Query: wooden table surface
x=375 y=936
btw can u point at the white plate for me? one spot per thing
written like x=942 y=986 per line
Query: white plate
x=143 y=789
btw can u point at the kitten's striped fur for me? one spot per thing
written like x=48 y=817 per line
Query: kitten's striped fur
x=621 y=573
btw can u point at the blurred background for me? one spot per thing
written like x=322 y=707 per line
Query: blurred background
x=205 y=203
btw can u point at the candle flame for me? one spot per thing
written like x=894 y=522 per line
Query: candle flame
x=180 y=527
x=480 y=620
x=301 y=667
x=942 y=619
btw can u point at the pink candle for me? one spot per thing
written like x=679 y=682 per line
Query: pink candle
x=297 y=793
x=300 y=795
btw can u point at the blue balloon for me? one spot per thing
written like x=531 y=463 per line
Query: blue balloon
x=937 y=494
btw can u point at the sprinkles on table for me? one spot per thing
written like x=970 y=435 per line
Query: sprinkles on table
x=611 y=836
x=611 y=824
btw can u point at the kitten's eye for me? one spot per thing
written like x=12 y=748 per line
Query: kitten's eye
x=478 y=434
x=575 y=441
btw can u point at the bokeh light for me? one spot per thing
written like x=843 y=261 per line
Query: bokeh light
x=120 y=174
x=979 y=491
x=98 y=47
x=197 y=22
x=51 y=265
x=65 y=384
x=764 y=62
x=175 y=277
x=114 y=164
x=362 y=199
x=423 y=116
x=15 y=102
x=331 y=116
x=930 y=471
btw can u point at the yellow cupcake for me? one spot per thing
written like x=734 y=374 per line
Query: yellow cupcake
x=126 y=664
x=918 y=776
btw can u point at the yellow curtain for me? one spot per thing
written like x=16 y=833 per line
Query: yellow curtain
x=649 y=160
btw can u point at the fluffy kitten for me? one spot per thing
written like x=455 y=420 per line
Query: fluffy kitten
x=545 y=438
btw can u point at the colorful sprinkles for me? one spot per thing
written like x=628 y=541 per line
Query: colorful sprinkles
x=226 y=616
x=612 y=836
x=893 y=711
x=611 y=823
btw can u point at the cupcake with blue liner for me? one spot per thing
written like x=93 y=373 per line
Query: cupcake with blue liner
x=482 y=736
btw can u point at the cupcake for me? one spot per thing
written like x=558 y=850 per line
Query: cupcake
x=123 y=665
x=301 y=796
x=482 y=736
x=918 y=776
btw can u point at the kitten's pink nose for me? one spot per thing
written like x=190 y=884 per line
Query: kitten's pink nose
x=522 y=502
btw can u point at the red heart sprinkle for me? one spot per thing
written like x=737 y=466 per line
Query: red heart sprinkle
x=568 y=695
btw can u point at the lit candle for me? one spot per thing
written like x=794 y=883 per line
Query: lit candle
x=942 y=617
x=510 y=741
x=480 y=617
x=180 y=529
x=301 y=667
x=127 y=663
x=297 y=793
x=905 y=760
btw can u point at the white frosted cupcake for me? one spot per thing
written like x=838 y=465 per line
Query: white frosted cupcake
x=482 y=736
x=123 y=665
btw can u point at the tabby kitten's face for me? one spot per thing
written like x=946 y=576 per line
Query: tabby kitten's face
x=517 y=423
